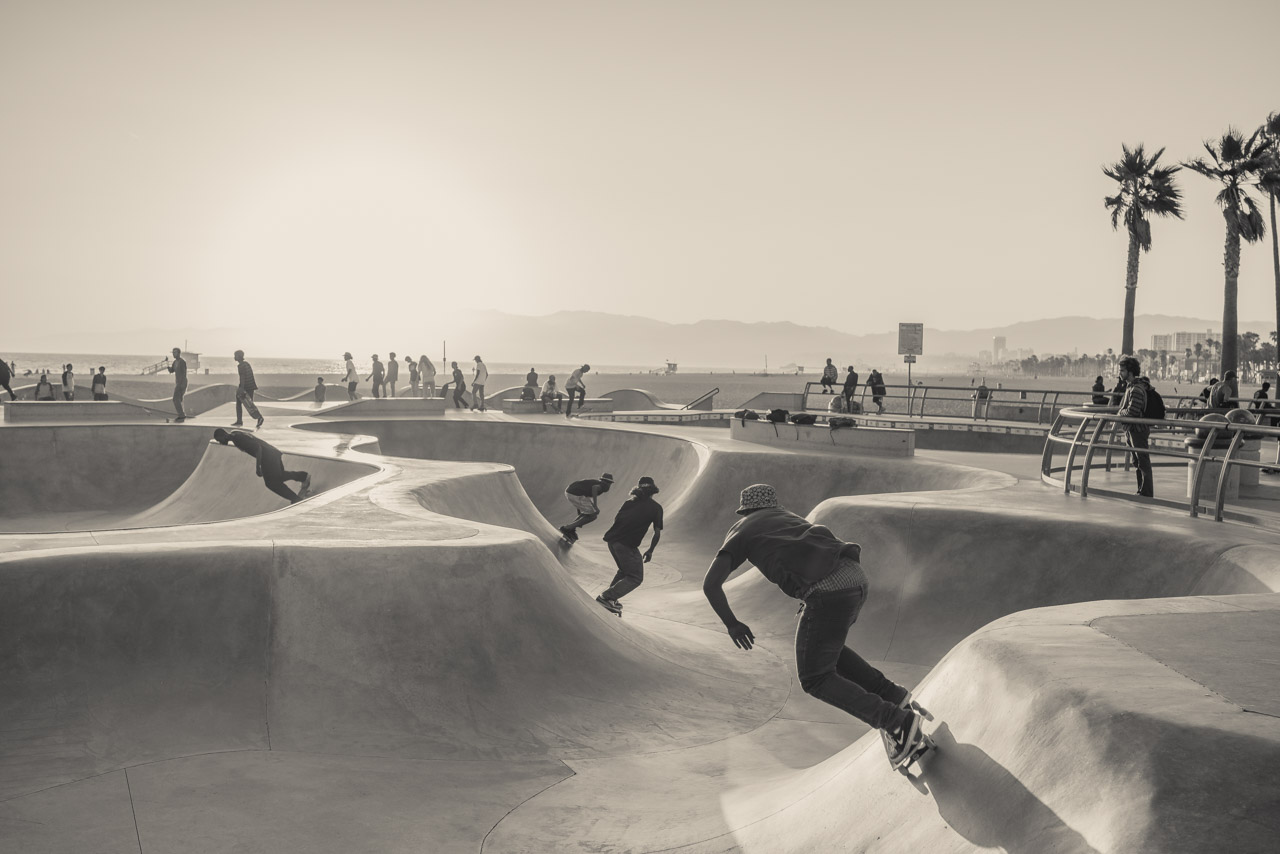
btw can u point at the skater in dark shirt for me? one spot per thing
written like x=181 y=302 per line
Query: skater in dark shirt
x=1100 y=397
x=807 y=562
x=378 y=377
x=6 y=374
x=393 y=376
x=459 y=387
x=850 y=388
x=244 y=392
x=634 y=517
x=583 y=495
x=178 y=367
x=319 y=392
x=270 y=463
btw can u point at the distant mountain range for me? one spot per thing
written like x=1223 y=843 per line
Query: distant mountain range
x=568 y=337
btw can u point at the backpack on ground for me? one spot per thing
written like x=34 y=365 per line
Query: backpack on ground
x=777 y=416
x=1155 y=404
x=803 y=418
x=745 y=415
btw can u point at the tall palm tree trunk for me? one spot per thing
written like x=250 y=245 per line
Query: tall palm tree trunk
x=1231 y=264
x=1131 y=292
x=1275 y=260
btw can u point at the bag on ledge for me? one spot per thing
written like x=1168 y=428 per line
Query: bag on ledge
x=838 y=423
x=777 y=416
x=803 y=418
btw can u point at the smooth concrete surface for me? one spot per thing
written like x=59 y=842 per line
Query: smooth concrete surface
x=365 y=407
x=73 y=411
x=409 y=661
x=883 y=441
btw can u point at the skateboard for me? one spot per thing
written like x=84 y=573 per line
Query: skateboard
x=565 y=542
x=604 y=603
x=903 y=764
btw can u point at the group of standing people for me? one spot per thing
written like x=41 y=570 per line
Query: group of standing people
x=875 y=385
x=421 y=371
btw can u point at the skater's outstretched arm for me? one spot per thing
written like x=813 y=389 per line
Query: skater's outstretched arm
x=653 y=544
x=713 y=588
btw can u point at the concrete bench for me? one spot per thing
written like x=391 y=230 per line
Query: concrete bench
x=876 y=441
x=75 y=411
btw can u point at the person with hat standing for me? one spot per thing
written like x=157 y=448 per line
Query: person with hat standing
x=351 y=377
x=809 y=563
x=634 y=517
x=583 y=495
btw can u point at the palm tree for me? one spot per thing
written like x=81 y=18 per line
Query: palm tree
x=1269 y=183
x=1144 y=190
x=1234 y=161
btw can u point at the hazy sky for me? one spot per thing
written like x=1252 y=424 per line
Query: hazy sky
x=840 y=163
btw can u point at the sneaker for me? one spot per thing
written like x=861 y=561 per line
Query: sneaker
x=610 y=604
x=568 y=532
x=179 y=420
x=906 y=739
x=306 y=486
x=260 y=420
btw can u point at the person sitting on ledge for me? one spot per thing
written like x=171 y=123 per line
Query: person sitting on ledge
x=270 y=463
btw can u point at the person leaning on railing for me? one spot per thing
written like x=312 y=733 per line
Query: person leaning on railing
x=1134 y=405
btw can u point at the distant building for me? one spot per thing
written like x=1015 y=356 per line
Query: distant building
x=1183 y=340
x=998 y=346
x=1161 y=342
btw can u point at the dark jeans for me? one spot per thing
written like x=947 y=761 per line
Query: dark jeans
x=100 y=395
x=244 y=400
x=274 y=476
x=458 y=402
x=477 y=396
x=351 y=391
x=1139 y=441
x=179 y=393
x=377 y=387
x=582 y=395
x=831 y=671
x=5 y=385
x=630 y=573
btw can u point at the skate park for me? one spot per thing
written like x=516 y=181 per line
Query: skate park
x=408 y=660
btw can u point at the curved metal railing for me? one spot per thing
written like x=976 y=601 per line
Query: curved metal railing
x=1085 y=431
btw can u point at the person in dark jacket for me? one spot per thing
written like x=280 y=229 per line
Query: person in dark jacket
x=178 y=367
x=6 y=374
x=850 y=388
x=809 y=563
x=270 y=463
x=1132 y=405
x=1100 y=397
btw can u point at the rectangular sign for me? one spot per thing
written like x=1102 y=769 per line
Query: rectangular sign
x=910 y=339
x=910 y=358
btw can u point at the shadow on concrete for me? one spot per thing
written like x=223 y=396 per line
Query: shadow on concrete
x=979 y=799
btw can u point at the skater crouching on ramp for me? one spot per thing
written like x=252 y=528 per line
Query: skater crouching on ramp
x=807 y=562
x=270 y=463
x=583 y=495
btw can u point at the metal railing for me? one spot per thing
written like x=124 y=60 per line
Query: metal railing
x=960 y=402
x=693 y=404
x=1085 y=431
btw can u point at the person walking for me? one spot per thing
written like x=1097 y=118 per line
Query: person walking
x=244 y=392
x=393 y=374
x=378 y=376
x=68 y=383
x=178 y=367
x=809 y=563
x=427 y=373
x=6 y=377
x=583 y=496
x=459 y=387
x=829 y=376
x=634 y=517
x=270 y=463
x=575 y=385
x=99 y=384
x=412 y=367
x=1133 y=405
x=352 y=377
x=850 y=388
x=478 y=383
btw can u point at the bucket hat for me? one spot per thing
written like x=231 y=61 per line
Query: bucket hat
x=757 y=496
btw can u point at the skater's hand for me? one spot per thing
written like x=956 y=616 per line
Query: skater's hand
x=648 y=556
x=742 y=636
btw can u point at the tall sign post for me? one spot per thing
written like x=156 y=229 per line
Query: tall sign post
x=910 y=345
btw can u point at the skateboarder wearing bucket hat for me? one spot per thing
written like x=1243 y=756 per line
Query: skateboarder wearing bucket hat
x=634 y=517
x=583 y=495
x=809 y=563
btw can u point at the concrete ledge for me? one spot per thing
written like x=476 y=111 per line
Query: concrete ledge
x=75 y=411
x=592 y=404
x=408 y=406
x=879 y=441
x=526 y=407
